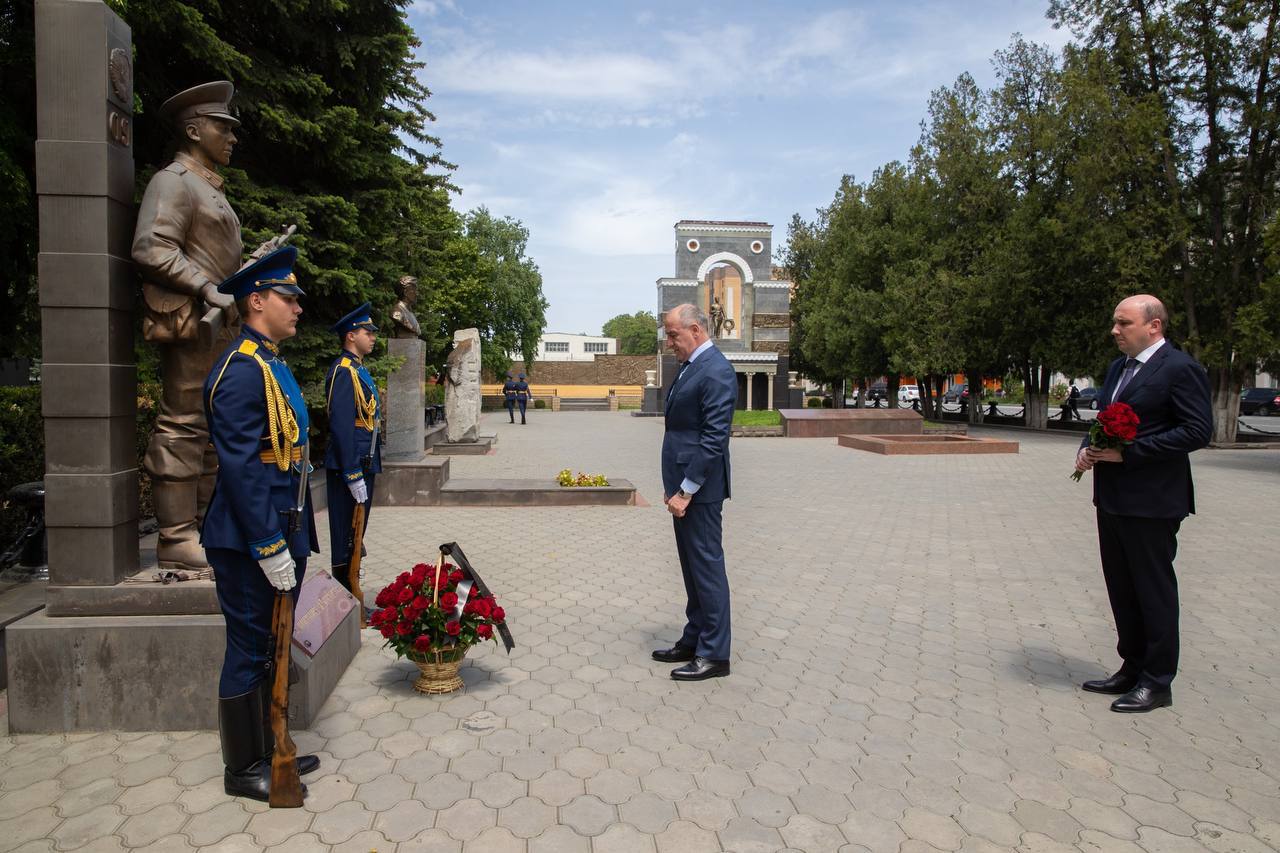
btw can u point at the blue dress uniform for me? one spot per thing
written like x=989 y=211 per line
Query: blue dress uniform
x=522 y=395
x=509 y=397
x=355 y=411
x=258 y=425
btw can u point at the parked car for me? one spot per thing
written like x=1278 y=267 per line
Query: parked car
x=1088 y=398
x=956 y=393
x=1260 y=401
x=877 y=391
x=907 y=393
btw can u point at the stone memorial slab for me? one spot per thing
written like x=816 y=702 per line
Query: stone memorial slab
x=829 y=423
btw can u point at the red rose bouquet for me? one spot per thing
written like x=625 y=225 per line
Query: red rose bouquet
x=1116 y=426
x=429 y=609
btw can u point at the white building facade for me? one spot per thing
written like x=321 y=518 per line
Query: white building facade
x=560 y=346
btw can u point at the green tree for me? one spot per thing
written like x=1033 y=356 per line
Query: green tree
x=19 y=311
x=637 y=333
x=1209 y=67
x=497 y=290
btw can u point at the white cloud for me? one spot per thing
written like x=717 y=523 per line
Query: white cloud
x=431 y=8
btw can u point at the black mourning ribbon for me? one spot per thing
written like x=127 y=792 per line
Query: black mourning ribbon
x=454 y=550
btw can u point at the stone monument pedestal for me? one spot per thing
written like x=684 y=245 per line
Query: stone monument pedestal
x=405 y=400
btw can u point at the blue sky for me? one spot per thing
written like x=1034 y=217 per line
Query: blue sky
x=599 y=125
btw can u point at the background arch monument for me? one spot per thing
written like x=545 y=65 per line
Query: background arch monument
x=733 y=261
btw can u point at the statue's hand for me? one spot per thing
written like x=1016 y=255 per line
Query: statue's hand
x=209 y=293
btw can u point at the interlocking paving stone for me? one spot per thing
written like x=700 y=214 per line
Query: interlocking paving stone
x=86 y=827
x=559 y=839
x=466 y=819
x=588 y=815
x=212 y=826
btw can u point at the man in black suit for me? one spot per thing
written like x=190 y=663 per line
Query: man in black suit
x=695 y=483
x=1142 y=492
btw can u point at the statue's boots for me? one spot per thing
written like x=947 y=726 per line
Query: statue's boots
x=178 y=547
x=306 y=763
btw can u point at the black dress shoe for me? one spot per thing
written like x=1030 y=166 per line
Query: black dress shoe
x=1142 y=698
x=700 y=668
x=308 y=764
x=253 y=782
x=675 y=654
x=1117 y=685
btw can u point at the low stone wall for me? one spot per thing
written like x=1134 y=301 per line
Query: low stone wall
x=604 y=370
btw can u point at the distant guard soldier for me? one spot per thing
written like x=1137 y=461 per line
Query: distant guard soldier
x=509 y=397
x=522 y=395
x=353 y=457
x=258 y=533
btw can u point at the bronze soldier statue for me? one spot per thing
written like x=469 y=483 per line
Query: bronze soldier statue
x=186 y=242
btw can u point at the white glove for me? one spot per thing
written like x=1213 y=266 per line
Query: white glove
x=279 y=570
x=361 y=575
x=359 y=491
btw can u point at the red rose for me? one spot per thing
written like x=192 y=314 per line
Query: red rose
x=422 y=643
x=481 y=608
x=386 y=632
x=405 y=596
x=384 y=598
x=1119 y=421
x=403 y=578
x=453 y=628
x=484 y=630
x=404 y=629
x=449 y=600
x=420 y=603
x=456 y=575
x=419 y=577
x=442 y=580
x=499 y=615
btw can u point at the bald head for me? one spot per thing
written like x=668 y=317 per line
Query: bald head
x=1139 y=322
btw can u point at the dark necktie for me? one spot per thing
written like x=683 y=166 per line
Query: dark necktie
x=1130 y=368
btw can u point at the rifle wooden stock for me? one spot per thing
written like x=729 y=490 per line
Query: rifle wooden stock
x=286 y=786
x=353 y=565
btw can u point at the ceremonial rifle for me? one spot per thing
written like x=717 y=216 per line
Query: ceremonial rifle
x=353 y=565
x=286 y=786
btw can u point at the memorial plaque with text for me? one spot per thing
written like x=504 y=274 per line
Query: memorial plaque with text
x=322 y=605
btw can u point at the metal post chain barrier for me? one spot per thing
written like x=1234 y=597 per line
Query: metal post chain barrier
x=1240 y=423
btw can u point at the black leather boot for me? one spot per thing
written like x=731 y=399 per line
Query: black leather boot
x=240 y=730
x=306 y=763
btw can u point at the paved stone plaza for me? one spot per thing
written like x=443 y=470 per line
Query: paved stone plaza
x=909 y=637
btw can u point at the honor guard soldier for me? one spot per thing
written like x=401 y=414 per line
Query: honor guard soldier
x=259 y=529
x=522 y=395
x=353 y=457
x=509 y=397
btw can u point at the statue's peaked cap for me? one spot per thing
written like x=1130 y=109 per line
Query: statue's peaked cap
x=212 y=100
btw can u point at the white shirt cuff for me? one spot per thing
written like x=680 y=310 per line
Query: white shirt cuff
x=689 y=487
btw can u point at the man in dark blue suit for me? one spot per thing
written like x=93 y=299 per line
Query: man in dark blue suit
x=695 y=483
x=255 y=540
x=1142 y=493
x=353 y=458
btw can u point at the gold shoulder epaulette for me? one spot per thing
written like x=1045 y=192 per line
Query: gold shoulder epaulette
x=248 y=347
x=346 y=362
